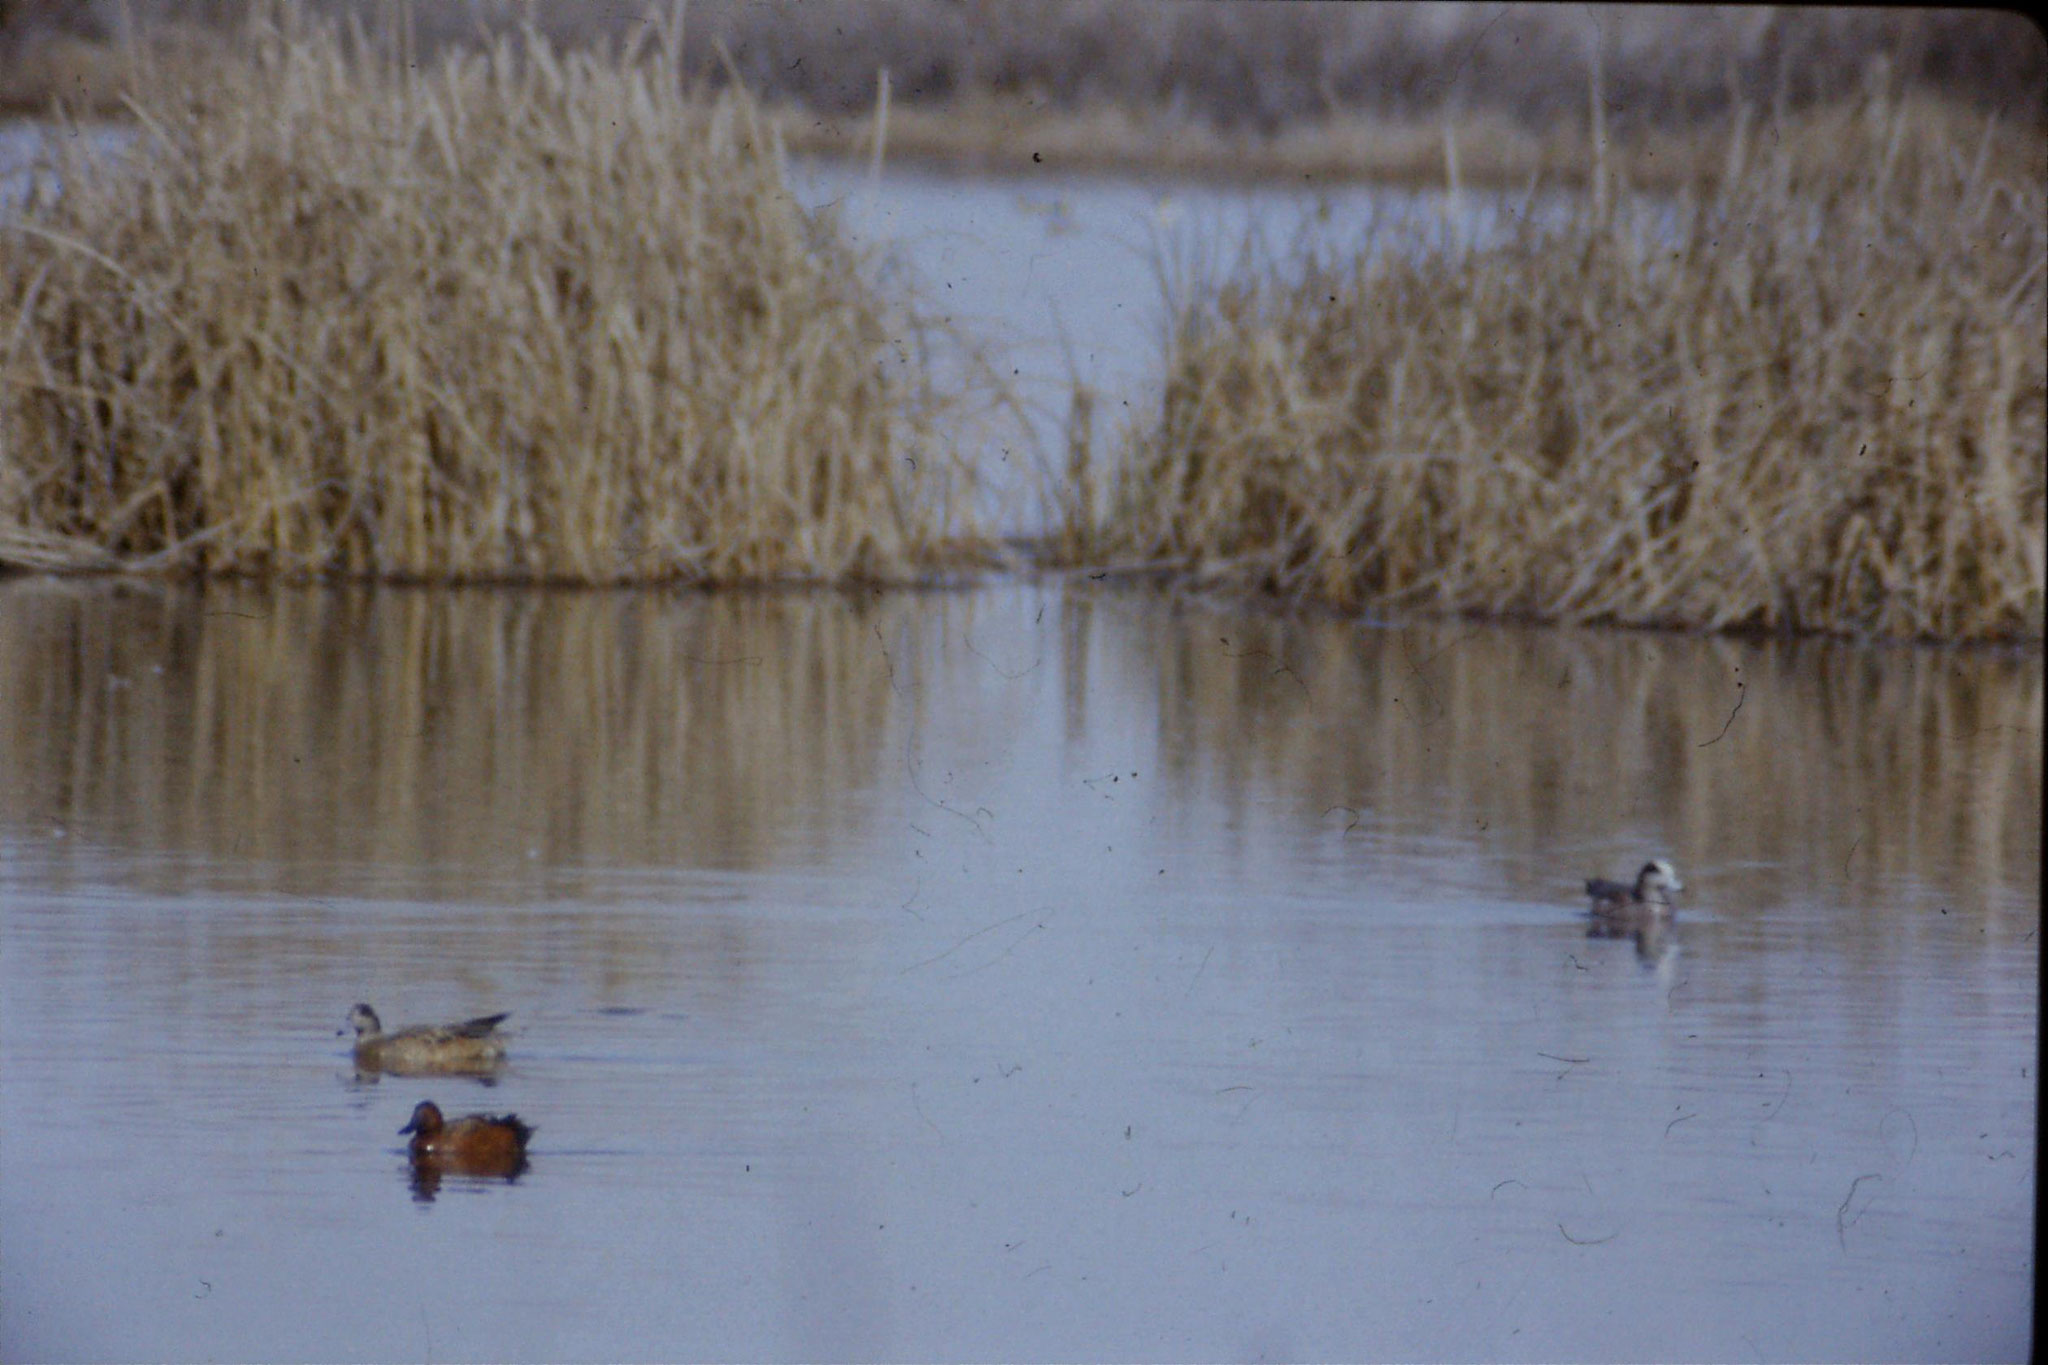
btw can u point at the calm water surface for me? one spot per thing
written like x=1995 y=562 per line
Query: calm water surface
x=1032 y=971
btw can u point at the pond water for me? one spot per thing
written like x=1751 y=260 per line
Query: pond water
x=1062 y=279
x=1029 y=971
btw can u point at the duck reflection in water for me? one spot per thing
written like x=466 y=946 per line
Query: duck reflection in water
x=1655 y=939
x=482 y=1146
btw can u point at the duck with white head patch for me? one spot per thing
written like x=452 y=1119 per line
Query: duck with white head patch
x=1649 y=896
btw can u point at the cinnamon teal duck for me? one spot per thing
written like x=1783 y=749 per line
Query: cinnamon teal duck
x=478 y=1144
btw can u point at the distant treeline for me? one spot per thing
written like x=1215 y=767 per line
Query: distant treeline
x=1235 y=65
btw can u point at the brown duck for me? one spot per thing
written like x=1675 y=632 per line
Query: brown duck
x=479 y=1144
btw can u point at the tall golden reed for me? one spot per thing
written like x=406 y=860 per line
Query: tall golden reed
x=520 y=315
x=1807 y=394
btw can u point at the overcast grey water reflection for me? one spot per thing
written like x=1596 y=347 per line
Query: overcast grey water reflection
x=1023 y=972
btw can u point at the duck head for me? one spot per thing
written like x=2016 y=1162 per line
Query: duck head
x=1657 y=881
x=426 y=1120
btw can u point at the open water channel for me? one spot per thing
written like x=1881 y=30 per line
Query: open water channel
x=1040 y=969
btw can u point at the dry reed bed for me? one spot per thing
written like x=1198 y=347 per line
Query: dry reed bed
x=525 y=316
x=1811 y=398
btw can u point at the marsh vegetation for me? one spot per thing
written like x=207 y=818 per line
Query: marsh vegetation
x=524 y=316
x=1806 y=394
x=408 y=305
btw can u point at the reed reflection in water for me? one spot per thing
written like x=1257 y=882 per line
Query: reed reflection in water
x=459 y=731
x=1028 y=970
